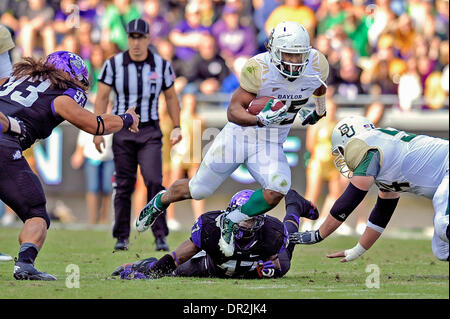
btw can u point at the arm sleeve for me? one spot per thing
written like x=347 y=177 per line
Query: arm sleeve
x=250 y=79
x=382 y=213
x=347 y=202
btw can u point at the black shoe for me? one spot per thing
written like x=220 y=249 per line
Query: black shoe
x=122 y=244
x=24 y=271
x=161 y=244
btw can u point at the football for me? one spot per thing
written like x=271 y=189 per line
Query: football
x=259 y=103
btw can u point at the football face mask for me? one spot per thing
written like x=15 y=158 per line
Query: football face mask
x=248 y=228
x=344 y=130
x=289 y=48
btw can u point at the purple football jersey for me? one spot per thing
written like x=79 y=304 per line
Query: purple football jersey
x=32 y=103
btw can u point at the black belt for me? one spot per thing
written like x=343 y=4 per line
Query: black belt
x=148 y=123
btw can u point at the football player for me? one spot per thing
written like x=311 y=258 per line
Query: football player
x=291 y=71
x=6 y=44
x=261 y=249
x=39 y=96
x=396 y=162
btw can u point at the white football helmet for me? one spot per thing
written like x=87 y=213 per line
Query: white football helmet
x=344 y=130
x=289 y=37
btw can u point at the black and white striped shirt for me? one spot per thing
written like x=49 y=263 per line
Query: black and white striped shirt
x=137 y=83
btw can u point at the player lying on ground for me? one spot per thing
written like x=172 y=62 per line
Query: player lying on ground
x=291 y=71
x=39 y=96
x=261 y=248
x=396 y=162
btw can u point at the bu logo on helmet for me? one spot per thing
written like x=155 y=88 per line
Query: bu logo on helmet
x=346 y=130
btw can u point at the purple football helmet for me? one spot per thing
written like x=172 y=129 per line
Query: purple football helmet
x=240 y=198
x=70 y=63
x=247 y=228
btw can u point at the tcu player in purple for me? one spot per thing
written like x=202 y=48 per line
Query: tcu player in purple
x=33 y=101
x=260 y=246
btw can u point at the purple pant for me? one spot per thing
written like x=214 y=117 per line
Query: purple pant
x=130 y=149
x=20 y=188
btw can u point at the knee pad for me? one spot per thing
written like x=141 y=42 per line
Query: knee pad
x=199 y=191
x=441 y=227
x=279 y=183
x=439 y=253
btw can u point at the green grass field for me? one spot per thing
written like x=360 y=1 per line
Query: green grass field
x=407 y=268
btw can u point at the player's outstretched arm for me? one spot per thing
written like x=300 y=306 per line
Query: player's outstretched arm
x=368 y=238
x=169 y=262
x=377 y=222
x=103 y=124
x=342 y=208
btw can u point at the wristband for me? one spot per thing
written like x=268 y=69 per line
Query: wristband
x=127 y=119
x=355 y=252
x=101 y=123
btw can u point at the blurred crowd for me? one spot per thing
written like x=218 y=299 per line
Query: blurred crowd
x=376 y=47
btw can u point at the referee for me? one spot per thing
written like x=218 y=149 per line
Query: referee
x=137 y=76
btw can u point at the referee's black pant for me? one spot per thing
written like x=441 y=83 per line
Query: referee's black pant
x=130 y=149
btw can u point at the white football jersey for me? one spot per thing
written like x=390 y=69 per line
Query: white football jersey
x=408 y=162
x=261 y=77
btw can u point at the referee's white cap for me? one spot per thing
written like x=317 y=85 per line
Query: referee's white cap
x=138 y=26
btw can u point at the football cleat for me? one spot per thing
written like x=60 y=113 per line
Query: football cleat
x=226 y=241
x=148 y=214
x=121 y=244
x=24 y=271
x=161 y=244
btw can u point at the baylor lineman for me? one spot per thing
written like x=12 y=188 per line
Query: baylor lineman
x=396 y=162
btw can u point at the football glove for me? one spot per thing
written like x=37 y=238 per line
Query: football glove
x=16 y=127
x=129 y=274
x=306 y=238
x=266 y=269
x=312 y=118
x=268 y=117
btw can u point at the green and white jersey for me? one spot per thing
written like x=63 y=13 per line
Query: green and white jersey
x=399 y=162
x=260 y=76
